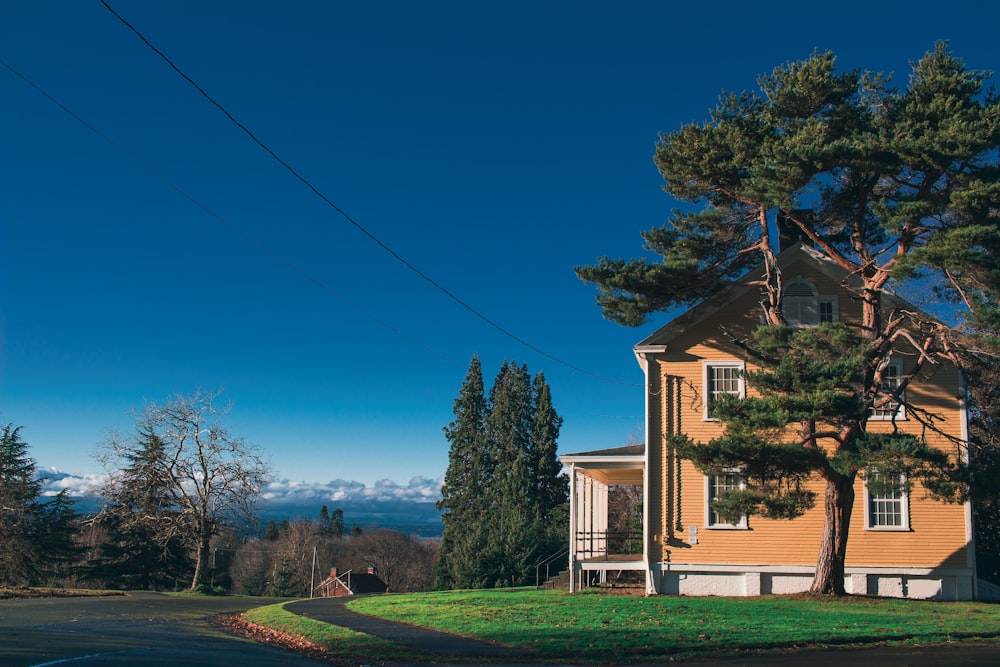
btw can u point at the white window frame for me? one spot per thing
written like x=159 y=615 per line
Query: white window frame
x=707 y=379
x=712 y=520
x=885 y=413
x=900 y=498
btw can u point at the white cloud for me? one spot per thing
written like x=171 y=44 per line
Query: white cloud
x=54 y=480
x=280 y=492
x=286 y=492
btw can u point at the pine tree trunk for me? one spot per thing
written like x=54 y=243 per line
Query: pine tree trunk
x=838 y=503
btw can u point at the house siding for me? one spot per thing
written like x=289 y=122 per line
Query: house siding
x=931 y=559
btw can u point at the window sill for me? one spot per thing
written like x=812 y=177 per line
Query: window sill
x=888 y=529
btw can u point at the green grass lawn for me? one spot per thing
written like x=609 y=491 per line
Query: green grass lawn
x=598 y=627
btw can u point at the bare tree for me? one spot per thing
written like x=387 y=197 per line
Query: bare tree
x=404 y=563
x=182 y=475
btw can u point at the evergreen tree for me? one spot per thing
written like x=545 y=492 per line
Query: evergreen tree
x=271 y=531
x=552 y=487
x=503 y=492
x=512 y=530
x=331 y=524
x=55 y=536
x=19 y=493
x=462 y=504
x=37 y=538
x=337 y=523
x=897 y=188
x=147 y=545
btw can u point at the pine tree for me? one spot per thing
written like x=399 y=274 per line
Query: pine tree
x=897 y=188
x=503 y=490
x=147 y=545
x=55 y=536
x=552 y=487
x=464 y=488
x=37 y=538
x=19 y=493
x=331 y=524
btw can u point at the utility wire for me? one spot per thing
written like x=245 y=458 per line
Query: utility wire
x=253 y=240
x=395 y=255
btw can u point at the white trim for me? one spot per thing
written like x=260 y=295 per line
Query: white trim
x=904 y=509
x=881 y=415
x=669 y=566
x=572 y=527
x=720 y=525
x=706 y=378
x=648 y=398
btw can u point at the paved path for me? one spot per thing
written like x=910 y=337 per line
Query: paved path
x=421 y=640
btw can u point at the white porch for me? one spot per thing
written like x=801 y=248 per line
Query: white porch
x=594 y=550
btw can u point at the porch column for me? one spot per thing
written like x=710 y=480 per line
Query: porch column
x=574 y=503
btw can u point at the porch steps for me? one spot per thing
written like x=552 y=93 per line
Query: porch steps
x=558 y=582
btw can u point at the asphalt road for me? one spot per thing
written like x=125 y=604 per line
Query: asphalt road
x=149 y=630
x=144 y=629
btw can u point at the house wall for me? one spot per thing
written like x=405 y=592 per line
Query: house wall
x=930 y=560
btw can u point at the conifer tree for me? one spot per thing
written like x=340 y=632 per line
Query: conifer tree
x=894 y=187
x=36 y=538
x=148 y=544
x=503 y=489
x=19 y=493
x=462 y=502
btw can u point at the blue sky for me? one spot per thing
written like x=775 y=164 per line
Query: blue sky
x=493 y=145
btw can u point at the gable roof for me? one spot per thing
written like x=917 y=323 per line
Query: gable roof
x=797 y=252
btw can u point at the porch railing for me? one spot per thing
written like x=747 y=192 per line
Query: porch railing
x=605 y=544
x=547 y=564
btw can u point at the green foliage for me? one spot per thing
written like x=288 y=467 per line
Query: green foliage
x=503 y=489
x=900 y=189
x=331 y=524
x=37 y=537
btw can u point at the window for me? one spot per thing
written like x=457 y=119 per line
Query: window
x=887 y=510
x=722 y=378
x=827 y=309
x=716 y=485
x=804 y=307
x=890 y=382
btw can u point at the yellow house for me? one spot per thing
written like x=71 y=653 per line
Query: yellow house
x=899 y=545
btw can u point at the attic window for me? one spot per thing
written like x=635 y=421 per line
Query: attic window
x=804 y=306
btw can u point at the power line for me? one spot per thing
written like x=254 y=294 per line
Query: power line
x=247 y=236
x=395 y=255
